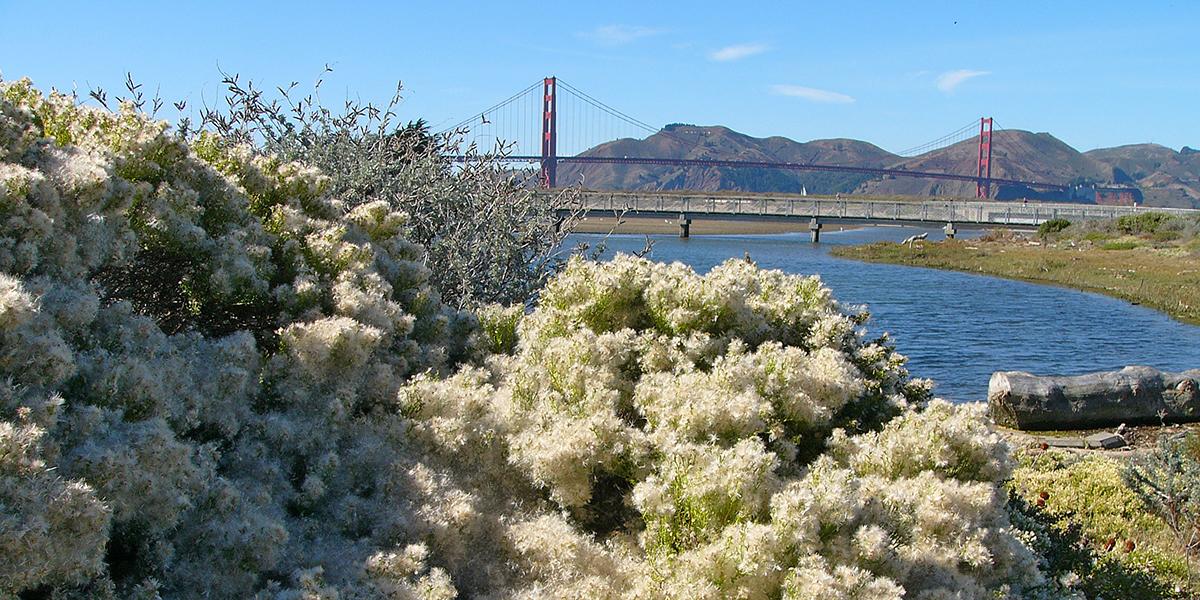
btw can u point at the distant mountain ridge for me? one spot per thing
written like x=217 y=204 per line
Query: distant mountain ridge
x=1165 y=177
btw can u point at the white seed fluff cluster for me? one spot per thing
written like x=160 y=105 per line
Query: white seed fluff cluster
x=714 y=437
x=645 y=432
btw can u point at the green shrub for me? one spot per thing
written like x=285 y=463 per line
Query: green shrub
x=1168 y=481
x=1166 y=235
x=1069 y=556
x=1143 y=223
x=1052 y=226
x=1124 y=245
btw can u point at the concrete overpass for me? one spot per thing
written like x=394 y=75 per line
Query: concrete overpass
x=686 y=207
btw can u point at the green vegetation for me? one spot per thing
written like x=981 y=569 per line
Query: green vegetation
x=1158 y=267
x=1144 y=223
x=484 y=234
x=1121 y=245
x=1090 y=522
x=1168 y=481
x=1053 y=226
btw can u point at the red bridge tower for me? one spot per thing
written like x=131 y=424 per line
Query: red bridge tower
x=983 y=172
x=549 y=132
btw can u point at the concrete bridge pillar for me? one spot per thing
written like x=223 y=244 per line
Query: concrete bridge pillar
x=950 y=231
x=814 y=230
x=685 y=226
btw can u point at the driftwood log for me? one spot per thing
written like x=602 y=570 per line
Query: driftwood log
x=1133 y=395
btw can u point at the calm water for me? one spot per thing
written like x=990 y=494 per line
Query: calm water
x=956 y=328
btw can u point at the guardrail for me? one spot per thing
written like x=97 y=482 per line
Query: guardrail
x=941 y=211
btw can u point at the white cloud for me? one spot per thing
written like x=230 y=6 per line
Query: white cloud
x=950 y=80
x=811 y=94
x=737 y=52
x=615 y=35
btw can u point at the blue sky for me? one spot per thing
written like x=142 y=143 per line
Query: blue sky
x=1094 y=74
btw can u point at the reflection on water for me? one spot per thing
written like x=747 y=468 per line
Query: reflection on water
x=956 y=328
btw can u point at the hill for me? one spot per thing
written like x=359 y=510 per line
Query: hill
x=1015 y=155
x=1167 y=177
x=693 y=142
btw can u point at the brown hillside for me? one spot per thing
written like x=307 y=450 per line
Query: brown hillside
x=1166 y=177
x=695 y=142
x=1015 y=155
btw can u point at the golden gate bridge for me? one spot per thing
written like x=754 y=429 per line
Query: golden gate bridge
x=529 y=126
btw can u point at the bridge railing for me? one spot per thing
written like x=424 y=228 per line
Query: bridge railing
x=941 y=211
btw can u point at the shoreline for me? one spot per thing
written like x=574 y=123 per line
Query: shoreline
x=1169 y=284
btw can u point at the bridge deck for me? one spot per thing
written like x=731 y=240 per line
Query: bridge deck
x=832 y=209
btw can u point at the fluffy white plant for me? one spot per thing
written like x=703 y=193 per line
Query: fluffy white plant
x=195 y=343
x=216 y=382
x=732 y=435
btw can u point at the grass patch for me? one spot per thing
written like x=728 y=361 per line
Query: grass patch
x=1122 y=245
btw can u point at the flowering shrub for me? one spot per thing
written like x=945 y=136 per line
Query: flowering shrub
x=217 y=381
x=194 y=337
x=485 y=235
x=726 y=435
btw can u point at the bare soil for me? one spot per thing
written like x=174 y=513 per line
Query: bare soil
x=1138 y=439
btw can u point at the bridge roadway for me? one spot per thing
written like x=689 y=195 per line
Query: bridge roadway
x=821 y=210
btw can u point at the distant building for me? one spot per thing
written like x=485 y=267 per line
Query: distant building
x=1112 y=196
x=1119 y=197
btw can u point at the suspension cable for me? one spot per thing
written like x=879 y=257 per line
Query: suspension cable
x=492 y=108
x=946 y=140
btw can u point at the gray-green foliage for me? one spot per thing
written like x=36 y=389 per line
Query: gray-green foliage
x=487 y=236
x=1168 y=480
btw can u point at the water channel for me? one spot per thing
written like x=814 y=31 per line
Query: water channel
x=956 y=328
